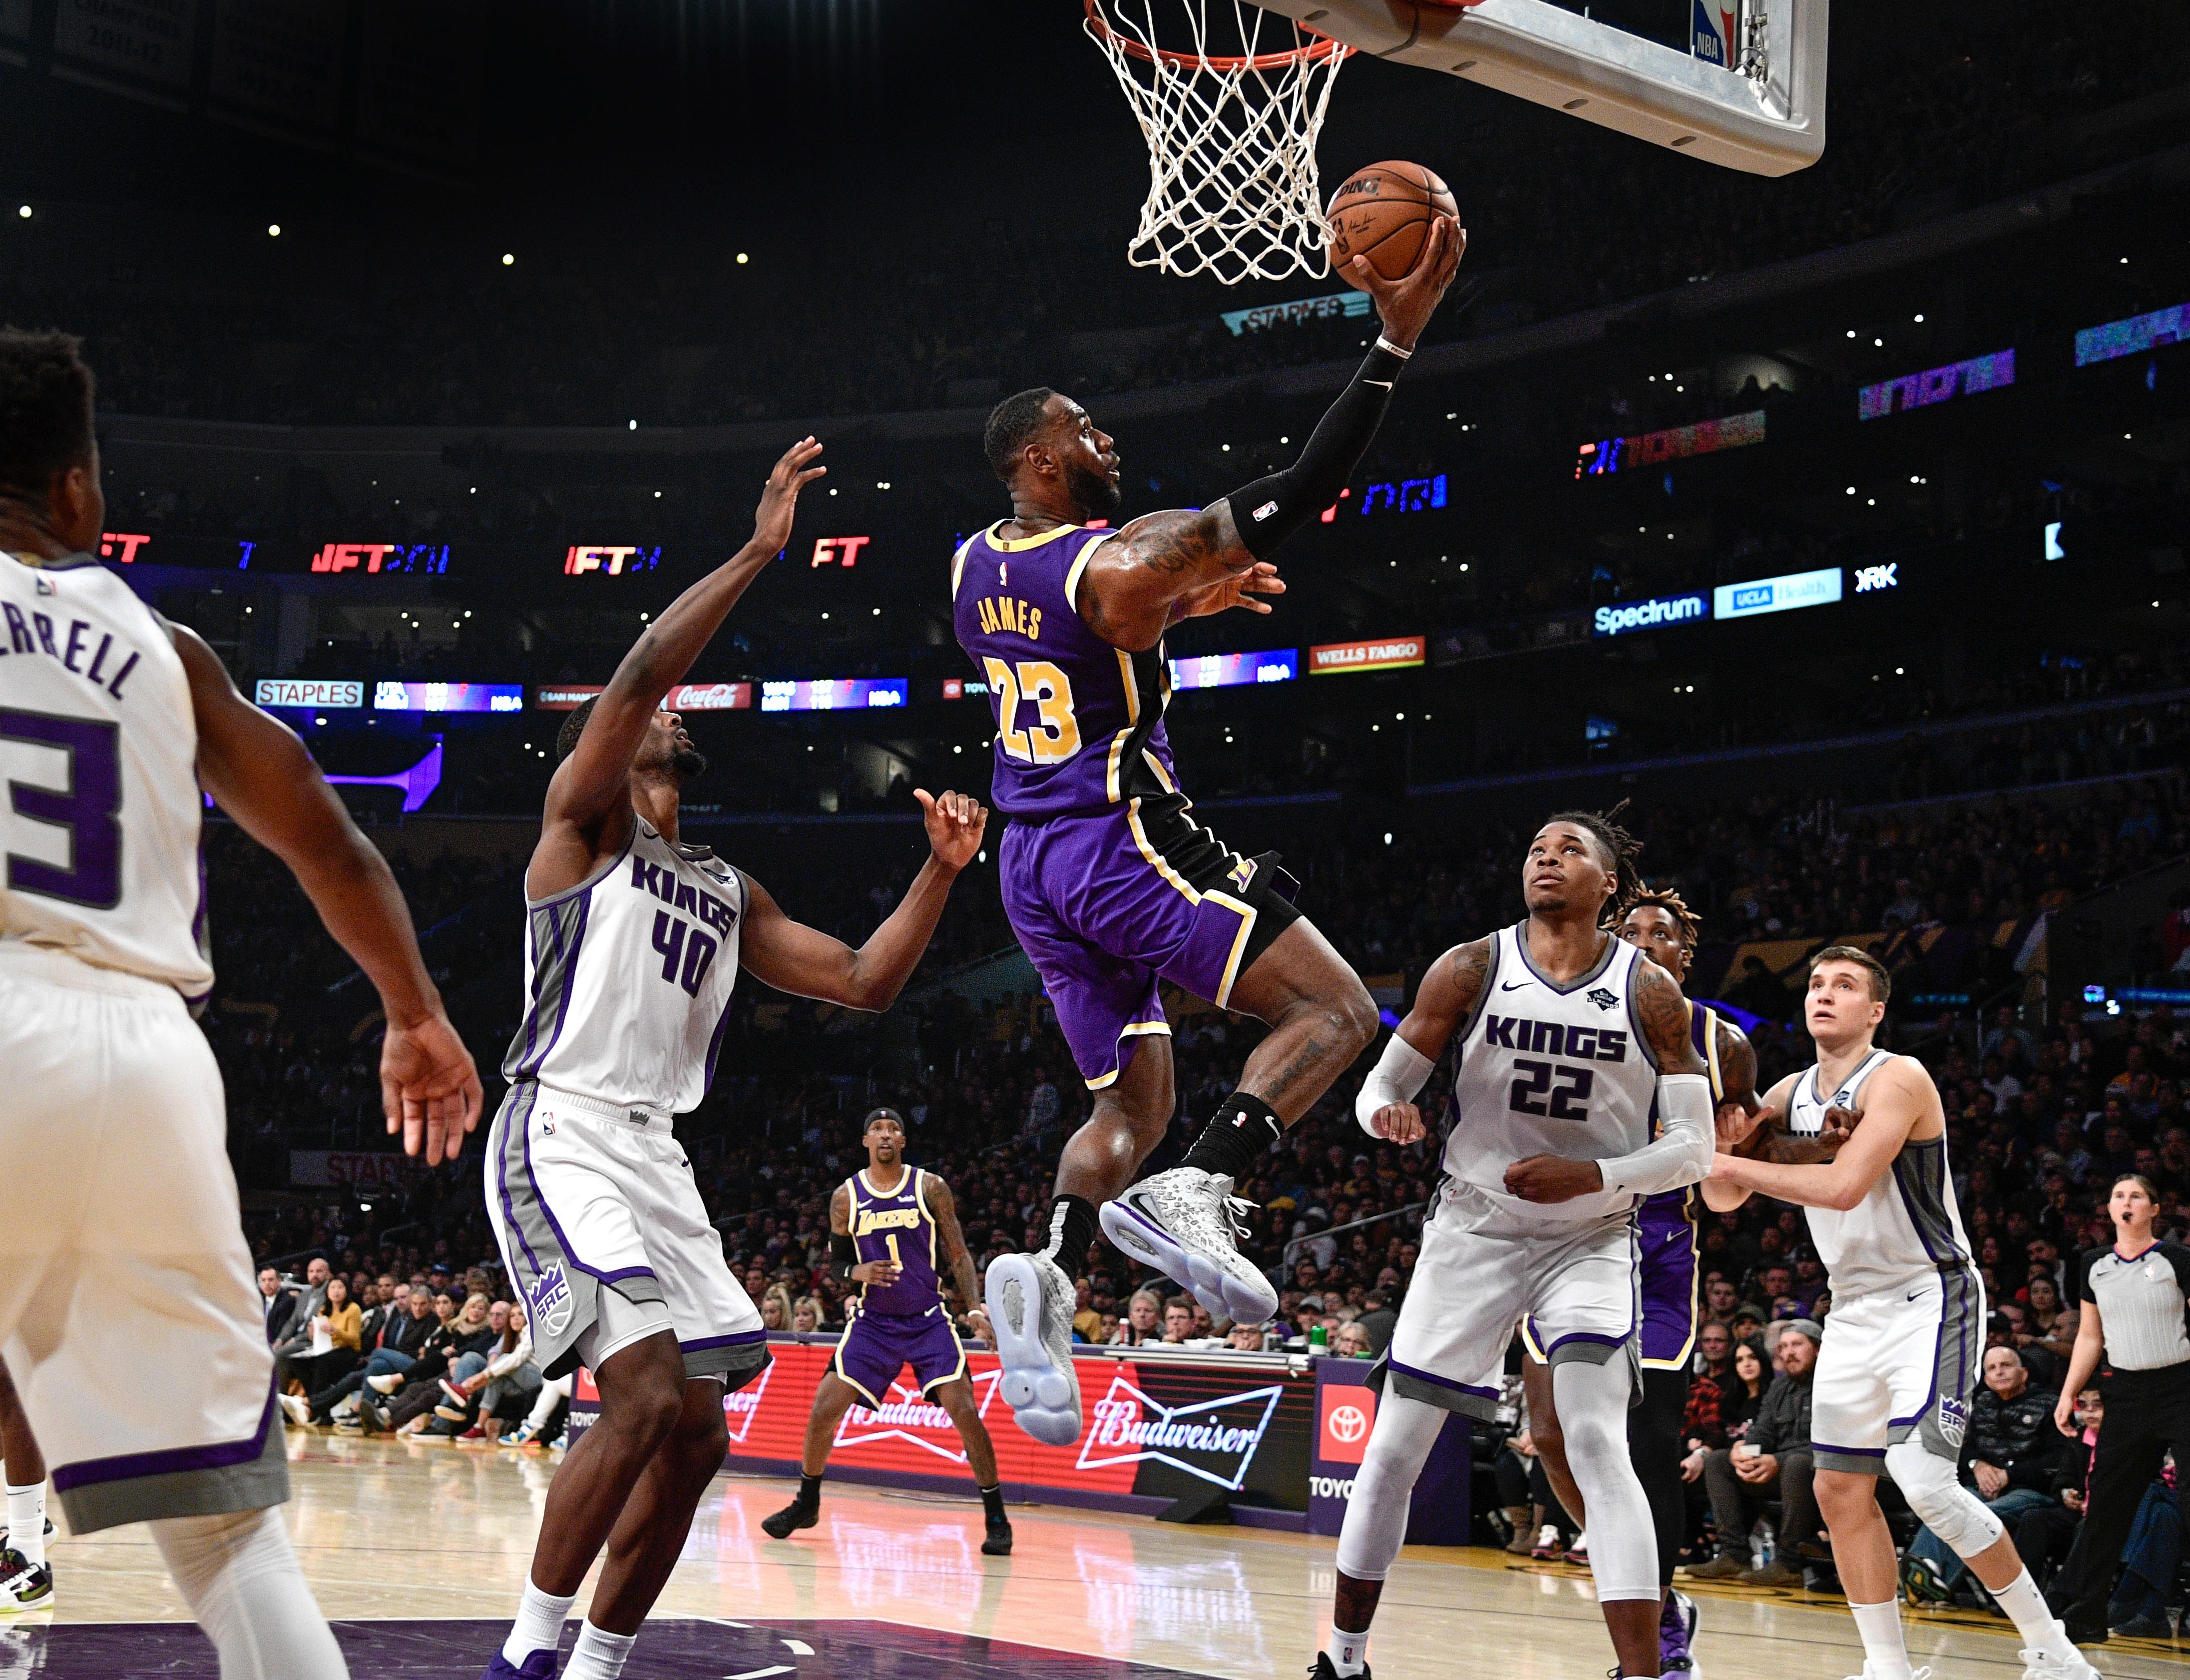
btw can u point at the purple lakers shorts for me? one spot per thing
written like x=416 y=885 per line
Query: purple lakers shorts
x=877 y=1346
x=1667 y=1277
x=1108 y=905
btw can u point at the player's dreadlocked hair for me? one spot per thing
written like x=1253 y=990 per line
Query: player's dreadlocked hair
x=1690 y=925
x=1621 y=849
x=45 y=410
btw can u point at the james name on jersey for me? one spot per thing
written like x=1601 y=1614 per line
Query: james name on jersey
x=687 y=953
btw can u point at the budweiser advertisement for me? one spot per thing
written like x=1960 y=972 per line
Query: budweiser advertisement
x=1152 y=1429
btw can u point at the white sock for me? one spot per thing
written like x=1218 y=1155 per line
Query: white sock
x=2026 y=1607
x=1350 y=1652
x=1886 y=1657
x=539 y=1624
x=26 y=1522
x=239 y=1578
x=599 y=1655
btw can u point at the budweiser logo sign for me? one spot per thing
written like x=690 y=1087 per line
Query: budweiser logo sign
x=1214 y=1440
x=739 y=1410
x=906 y=1415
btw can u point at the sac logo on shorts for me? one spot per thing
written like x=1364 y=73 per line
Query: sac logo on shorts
x=551 y=1299
x=1953 y=1420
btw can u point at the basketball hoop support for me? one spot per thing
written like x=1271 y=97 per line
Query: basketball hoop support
x=1766 y=116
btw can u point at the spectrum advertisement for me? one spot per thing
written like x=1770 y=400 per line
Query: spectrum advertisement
x=1620 y=617
x=1155 y=1428
x=1225 y=670
x=1777 y=594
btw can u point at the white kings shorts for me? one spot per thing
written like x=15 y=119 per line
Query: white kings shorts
x=1481 y=1270
x=603 y=1229
x=129 y=1316
x=1897 y=1363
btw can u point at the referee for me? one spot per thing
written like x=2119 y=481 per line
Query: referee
x=2135 y=1300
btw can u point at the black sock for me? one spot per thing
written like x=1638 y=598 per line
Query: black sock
x=1235 y=1137
x=1070 y=1231
x=810 y=1490
x=992 y=1500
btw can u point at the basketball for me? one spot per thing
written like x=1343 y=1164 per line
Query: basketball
x=1383 y=213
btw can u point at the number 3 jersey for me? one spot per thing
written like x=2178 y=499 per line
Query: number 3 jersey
x=99 y=806
x=629 y=979
x=1550 y=1069
x=1079 y=723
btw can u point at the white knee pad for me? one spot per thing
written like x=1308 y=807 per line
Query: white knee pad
x=1945 y=1506
x=1375 y=1525
x=241 y=1580
x=1623 y=1541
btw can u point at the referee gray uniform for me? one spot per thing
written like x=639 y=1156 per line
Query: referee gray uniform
x=2144 y=1309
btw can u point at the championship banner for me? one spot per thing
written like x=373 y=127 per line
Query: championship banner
x=1155 y=1429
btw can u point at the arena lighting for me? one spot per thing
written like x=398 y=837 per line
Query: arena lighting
x=23 y=211
x=1936 y=385
x=1786 y=593
x=417 y=783
x=1705 y=437
x=448 y=697
x=1230 y=670
x=1392 y=652
x=131 y=542
x=611 y=561
x=833 y=550
x=2132 y=334
x=273 y=230
x=315 y=694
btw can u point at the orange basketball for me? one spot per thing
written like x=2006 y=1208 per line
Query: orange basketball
x=1383 y=213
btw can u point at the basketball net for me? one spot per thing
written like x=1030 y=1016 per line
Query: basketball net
x=1231 y=182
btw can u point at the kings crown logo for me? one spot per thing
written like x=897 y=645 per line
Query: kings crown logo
x=1953 y=1420
x=551 y=1299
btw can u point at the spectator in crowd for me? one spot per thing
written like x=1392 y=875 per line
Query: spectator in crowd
x=775 y=1309
x=1772 y=1457
x=1178 y=1320
x=307 y=1310
x=1351 y=1343
x=1245 y=1338
x=1377 y=1319
x=491 y=1389
x=2010 y=1453
x=472 y=1334
x=1144 y=1321
x=276 y=1302
x=331 y=1352
x=387 y=1350
x=2044 y=1535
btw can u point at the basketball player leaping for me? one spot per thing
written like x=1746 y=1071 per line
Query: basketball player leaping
x=1564 y=1035
x=1661 y=926
x=1901 y=1353
x=1110 y=884
x=888 y=1227
x=121 y=1250
x=633 y=941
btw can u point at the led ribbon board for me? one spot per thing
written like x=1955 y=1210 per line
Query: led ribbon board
x=1228 y=670
x=1936 y=385
x=1647 y=449
x=318 y=694
x=1617 y=618
x=1786 y=593
x=2132 y=335
x=1393 y=653
x=838 y=694
x=448 y=697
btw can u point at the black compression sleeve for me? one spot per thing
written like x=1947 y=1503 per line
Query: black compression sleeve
x=1269 y=510
x=843 y=1255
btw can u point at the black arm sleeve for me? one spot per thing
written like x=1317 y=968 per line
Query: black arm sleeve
x=1269 y=510
x=843 y=1255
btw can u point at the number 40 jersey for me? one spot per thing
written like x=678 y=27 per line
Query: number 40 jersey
x=1547 y=1069
x=99 y=806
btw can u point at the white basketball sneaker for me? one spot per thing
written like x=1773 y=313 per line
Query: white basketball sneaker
x=1030 y=1303
x=1183 y=1222
x=2056 y=1666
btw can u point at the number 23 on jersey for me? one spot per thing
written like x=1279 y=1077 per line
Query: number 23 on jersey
x=1054 y=733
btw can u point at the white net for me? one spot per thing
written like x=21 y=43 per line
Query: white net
x=1231 y=124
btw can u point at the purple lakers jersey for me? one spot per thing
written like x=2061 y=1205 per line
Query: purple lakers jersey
x=1670 y=1208
x=1079 y=723
x=896 y=1227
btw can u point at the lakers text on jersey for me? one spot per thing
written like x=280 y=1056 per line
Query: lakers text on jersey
x=903 y=1323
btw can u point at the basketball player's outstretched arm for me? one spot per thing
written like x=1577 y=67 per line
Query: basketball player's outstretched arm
x=793 y=958
x=1183 y=563
x=952 y=1240
x=1446 y=998
x=589 y=813
x=259 y=773
x=1899 y=1102
x=1682 y=1151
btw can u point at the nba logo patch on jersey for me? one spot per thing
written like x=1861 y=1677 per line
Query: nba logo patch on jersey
x=45 y=586
x=1602 y=997
x=1953 y=1420
x=551 y=1299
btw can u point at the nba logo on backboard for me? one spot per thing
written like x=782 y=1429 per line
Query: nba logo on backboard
x=1347 y=1414
x=551 y=1299
x=1712 y=33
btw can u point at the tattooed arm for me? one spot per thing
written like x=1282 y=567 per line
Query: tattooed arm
x=1446 y=998
x=952 y=1240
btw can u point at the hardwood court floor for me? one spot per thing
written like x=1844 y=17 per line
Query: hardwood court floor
x=394 y=1535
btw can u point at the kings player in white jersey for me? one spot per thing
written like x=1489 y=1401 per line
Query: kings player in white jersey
x=633 y=942
x=122 y=1244
x=1907 y=1331
x=1569 y=1044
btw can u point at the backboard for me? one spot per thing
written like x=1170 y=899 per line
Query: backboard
x=1759 y=108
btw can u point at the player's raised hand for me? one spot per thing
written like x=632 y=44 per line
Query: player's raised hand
x=779 y=500
x=429 y=1090
x=956 y=824
x=1549 y=1177
x=1405 y=305
x=1239 y=591
x=1397 y=1123
x=1735 y=1126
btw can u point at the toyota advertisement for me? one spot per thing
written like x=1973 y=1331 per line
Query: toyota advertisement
x=1154 y=1429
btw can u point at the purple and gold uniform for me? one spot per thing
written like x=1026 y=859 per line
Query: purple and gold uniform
x=1670 y=1278
x=895 y=1324
x=1111 y=885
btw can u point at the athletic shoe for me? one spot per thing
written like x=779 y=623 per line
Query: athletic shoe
x=1184 y=1223
x=523 y=1437
x=456 y=1396
x=1870 y=1672
x=2043 y=1665
x=386 y=1384
x=2146 y=1627
x=998 y=1543
x=50 y=1532
x=376 y=1420
x=1676 y=1624
x=1921 y=1584
x=1325 y=1669
x=1030 y=1304
x=540 y=1665
x=1548 y=1546
x=476 y=1432
x=1773 y=1574
x=1578 y=1552
x=22 y=1586
x=299 y=1410
x=349 y=1424
x=1727 y=1566
x=798 y=1514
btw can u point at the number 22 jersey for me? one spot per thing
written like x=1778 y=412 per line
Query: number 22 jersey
x=99 y=807
x=1546 y=1068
